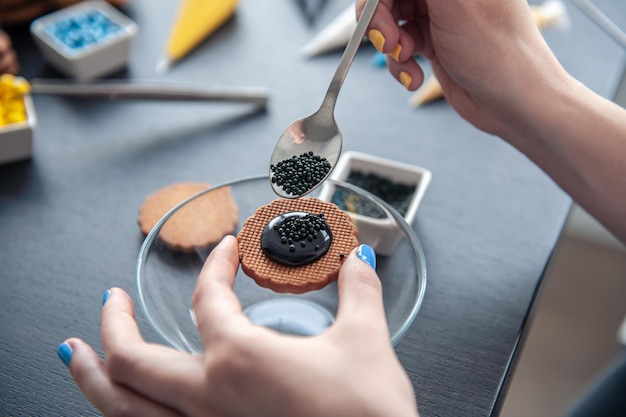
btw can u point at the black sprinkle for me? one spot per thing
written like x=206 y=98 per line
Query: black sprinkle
x=397 y=195
x=300 y=173
x=301 y=228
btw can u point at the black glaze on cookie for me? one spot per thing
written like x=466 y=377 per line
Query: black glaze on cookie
x=296 y=238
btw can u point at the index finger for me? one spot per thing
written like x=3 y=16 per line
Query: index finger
x=214 y=301
x=153 y=371
x=383 y=30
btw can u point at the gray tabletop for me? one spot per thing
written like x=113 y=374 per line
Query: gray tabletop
x=488 y=223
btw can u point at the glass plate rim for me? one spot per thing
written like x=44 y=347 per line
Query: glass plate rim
x=412 y=238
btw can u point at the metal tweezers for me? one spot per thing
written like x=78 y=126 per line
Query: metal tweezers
x=602 y=20
x=151 y=91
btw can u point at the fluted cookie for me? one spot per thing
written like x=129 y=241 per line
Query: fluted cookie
x=296 y=245
x=203 y=221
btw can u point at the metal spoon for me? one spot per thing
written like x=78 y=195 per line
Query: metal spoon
x=319 y=133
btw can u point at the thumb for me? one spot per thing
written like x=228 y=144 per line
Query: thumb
x=360 y=289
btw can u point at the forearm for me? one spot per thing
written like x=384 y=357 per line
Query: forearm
x=579 y=139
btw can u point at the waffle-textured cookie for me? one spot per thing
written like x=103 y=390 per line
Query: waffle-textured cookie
x=203 y=221
x=295 y=279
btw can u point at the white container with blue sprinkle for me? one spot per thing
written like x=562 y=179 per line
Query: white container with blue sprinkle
x=89 y=40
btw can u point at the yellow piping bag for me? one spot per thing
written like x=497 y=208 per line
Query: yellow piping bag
x=196 y=20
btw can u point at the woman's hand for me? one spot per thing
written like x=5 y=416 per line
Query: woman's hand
x=8 y=58
x=488 y=55
x=500 y=75
x=247 y=370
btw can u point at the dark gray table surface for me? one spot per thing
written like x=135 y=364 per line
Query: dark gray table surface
x=488 y=223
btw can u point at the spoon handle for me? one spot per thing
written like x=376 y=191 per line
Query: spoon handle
x=328 y=105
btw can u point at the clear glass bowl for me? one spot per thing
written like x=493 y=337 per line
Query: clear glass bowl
x=166 y=278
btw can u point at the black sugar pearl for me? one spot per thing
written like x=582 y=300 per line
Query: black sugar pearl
x=296 y=229
x=300 y=173
x=396 y=194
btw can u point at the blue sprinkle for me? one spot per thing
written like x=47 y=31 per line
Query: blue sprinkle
x=379 y=60
x=81 y=30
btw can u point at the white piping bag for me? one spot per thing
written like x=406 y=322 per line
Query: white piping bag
x=334 y=36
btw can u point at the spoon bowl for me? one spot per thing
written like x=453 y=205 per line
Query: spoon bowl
x=317 y=135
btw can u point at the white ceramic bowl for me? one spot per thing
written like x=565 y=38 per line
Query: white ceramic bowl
x=380 y=233
x=100 y=56
x=16 y=139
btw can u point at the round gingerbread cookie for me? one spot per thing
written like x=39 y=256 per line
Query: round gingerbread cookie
x=281 y=276
x=201 y=222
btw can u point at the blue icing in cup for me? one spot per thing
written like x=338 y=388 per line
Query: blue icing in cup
x=82 y=30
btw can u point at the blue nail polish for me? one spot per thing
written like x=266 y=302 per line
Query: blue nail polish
x=65 y=353
x=367 y=255
x=105 y=296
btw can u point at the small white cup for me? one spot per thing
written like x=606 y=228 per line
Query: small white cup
x=381 y=234
x=102 y=57
x=16 y=139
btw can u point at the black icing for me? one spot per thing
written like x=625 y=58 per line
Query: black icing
x=296 y=238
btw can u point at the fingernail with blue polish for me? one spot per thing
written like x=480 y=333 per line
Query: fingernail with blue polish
x=65 y=353
x=367 y=255
x=105 y=297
